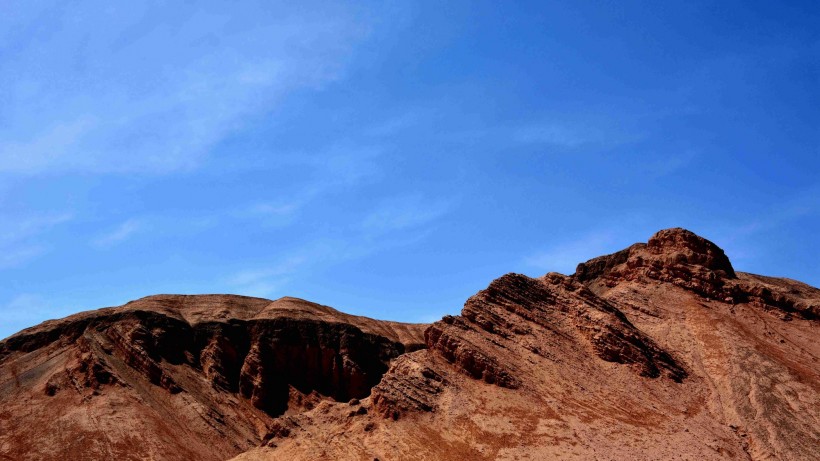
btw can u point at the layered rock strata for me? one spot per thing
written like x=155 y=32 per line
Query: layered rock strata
x=224 y=366
x=659 y=351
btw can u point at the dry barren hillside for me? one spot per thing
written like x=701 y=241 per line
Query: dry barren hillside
x=183 y=377
x=659 y=351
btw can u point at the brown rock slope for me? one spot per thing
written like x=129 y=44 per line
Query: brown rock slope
x=183 y=377
x=660 y=351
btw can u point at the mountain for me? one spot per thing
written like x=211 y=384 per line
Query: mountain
x=183 y=377
x=658 y=351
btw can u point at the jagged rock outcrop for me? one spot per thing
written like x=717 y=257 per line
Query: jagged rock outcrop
x=410 y=387
x=687 y=260
x=226 y=366
x=659 y=351
x=673 y=255
x=448 y=339
x=664 y=257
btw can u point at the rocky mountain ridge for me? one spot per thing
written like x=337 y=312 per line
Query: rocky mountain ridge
x=221 y=367
x=658 y=351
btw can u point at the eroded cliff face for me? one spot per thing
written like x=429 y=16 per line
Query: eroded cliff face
x=658 y=351
x=513 y=306
x=689 y=261
x=537 y=317
x=230 y=378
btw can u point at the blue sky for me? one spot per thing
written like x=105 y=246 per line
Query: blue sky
x=390 y=160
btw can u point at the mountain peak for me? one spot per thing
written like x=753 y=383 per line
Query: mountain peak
x=683 y=258
x=670 y=255
x=636 y=345
x=690 y=248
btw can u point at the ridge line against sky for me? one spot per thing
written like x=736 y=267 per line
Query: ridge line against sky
x=391 y=160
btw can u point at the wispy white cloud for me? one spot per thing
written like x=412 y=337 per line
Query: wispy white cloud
x=261 y=283
x=580 y=129
x=565 y=256
x=343 y=165
x=25 y=310
x=666 y=163
x=268 y=280
x=21 y=237
x=803 y=204
x=156 y=99
x=273 y=213
x=551 y=133
x=384 y=227
x=404 y=212
x=18 y=228
x=119 y=234
x=38 y=154
x=275 y=209
x=740 y=240
x=339 y=168
x=574 y=132
x=13 y=257
x=395 y=125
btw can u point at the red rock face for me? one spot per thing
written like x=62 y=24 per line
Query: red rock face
x=410 y=387
x=659 y=351
x=335 y=360
x=234 y=376
x=679 y=247
x=516 y=310
x=682 y=258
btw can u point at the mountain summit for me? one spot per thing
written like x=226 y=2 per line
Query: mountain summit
x=659 y=351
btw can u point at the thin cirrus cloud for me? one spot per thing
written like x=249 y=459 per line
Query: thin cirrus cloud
x=266 y=281
x=125 y=96
x=742 y=241
x=564 y=257
x=22 y=238
x=259 y=283
x=576 y=130
x=20 y=228
x=403 y=213
x=379 y=230
x=120 y=234
x=552 y=134
x=24 y=310
x=340 y=168
x=17 y=256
